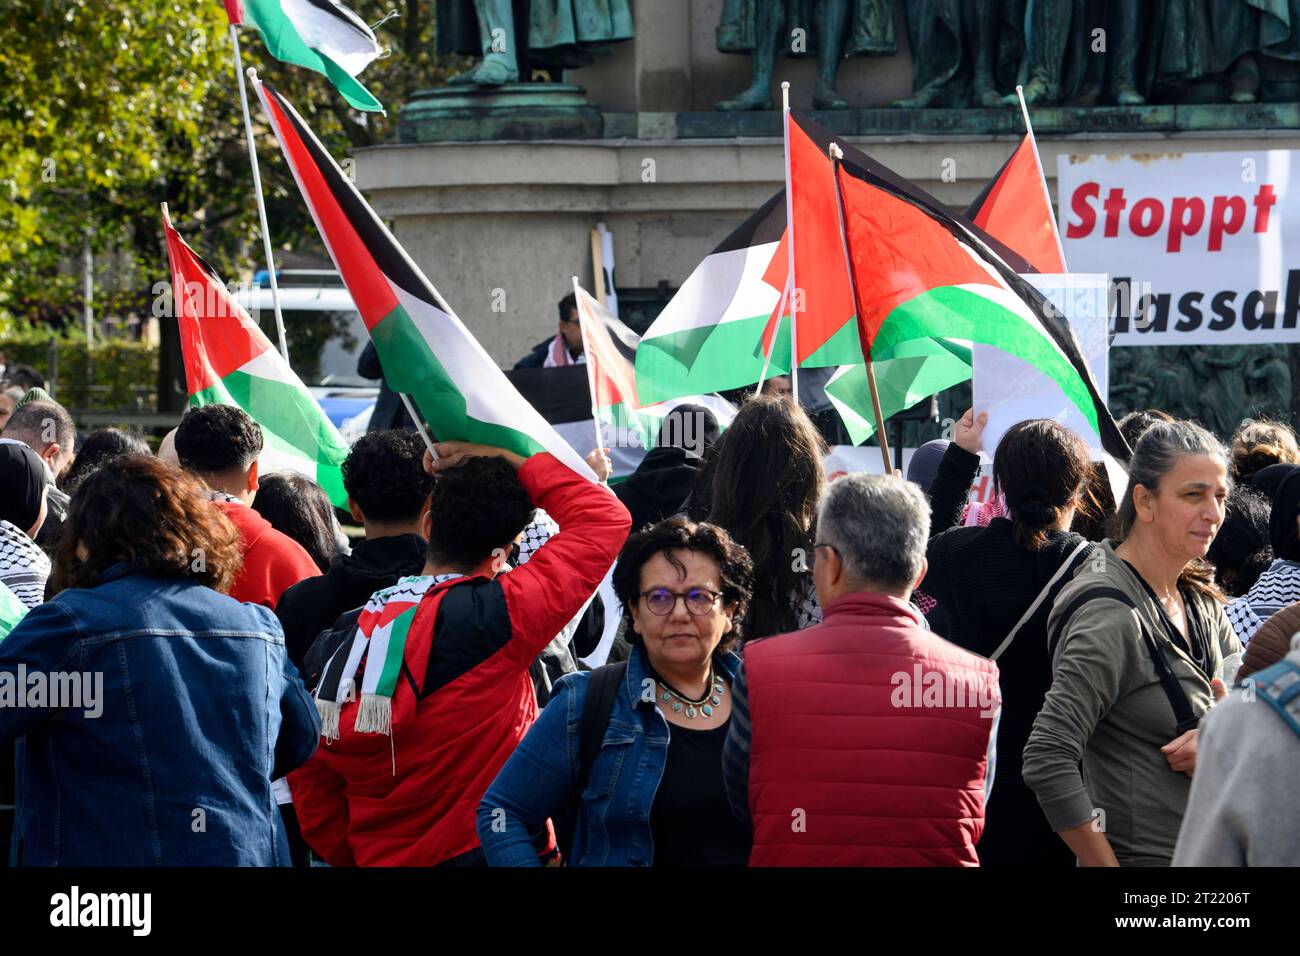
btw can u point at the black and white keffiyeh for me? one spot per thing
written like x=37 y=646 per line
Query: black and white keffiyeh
x=24 y=567
x=1276 y=588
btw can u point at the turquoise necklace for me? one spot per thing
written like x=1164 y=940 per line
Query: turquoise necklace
x=683 y=704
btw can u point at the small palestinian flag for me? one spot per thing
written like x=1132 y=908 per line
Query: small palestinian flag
x=921 y=271
x=228 y=361
x=907 y=373
x=321 y=35
x=425 y=350
x=1014 y=208
x=611 y=349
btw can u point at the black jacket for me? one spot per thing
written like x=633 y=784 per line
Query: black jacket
x=314 y=604
x=537 y=357
x=984 y=582
x=660 y=485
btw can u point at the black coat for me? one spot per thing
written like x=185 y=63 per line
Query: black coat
x=659 y=487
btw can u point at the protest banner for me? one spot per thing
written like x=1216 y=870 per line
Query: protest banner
x=1194 y=242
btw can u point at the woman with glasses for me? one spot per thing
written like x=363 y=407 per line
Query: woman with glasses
x=629 y=757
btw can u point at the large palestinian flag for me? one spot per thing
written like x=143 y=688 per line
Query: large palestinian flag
x=423 y=347
x=922 y=271
x=1014 y=208
x=611 y=349
x=321 y=35
x=710 y=336
x=228 y=361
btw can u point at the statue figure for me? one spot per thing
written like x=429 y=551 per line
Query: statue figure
x=963 y=51
x=840 y=28
x=516 y=38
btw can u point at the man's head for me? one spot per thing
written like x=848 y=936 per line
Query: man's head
x=24 y=376
x=570 y=330
x=220 y=444
x=477 y=511
x=386 y=482
x=779 y=385
x=871 y=536
x=47 y=428
x=10 y=396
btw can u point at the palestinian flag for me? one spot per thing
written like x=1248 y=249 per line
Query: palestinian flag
x=423 y=347
x=1015 y=208
x=321 y=35
x=228 y=361
x=906 y=373
x=611 y=348
x=922 y=271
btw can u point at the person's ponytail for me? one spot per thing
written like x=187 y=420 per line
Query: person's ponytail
x=1040 y=467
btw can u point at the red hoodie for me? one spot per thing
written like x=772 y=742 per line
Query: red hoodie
x=273 y=562
x=465 y=700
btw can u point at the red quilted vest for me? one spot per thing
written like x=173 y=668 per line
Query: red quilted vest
x=870 y=740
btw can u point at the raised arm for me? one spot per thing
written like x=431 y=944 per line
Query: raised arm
x=957 y=470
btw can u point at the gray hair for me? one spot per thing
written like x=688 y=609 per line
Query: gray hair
x=1157 y=454
x=879 y=524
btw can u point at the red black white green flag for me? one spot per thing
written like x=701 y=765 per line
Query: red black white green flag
x=229 y=361
x=425 y=350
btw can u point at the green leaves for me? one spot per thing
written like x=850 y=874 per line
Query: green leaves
x=108 y=112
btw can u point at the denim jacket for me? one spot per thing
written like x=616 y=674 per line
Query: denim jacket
x=177 y=707
x=613 y=825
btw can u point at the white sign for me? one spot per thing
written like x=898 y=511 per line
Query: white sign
x=1202 y=248
x=1011 y=390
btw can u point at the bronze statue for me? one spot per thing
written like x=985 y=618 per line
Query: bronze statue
x=515 y=39
x=963 y=51
x=839 y=28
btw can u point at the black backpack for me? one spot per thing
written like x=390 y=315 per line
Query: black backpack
x=602 y=687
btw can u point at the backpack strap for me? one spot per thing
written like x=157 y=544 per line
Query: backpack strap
x=1174 y=693
x=1279 y=685
x=602 y=688
x=1066 y=565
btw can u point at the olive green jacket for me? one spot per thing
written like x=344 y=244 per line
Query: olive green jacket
x=1107 y=710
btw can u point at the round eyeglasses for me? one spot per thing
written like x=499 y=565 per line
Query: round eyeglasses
x=699 y=601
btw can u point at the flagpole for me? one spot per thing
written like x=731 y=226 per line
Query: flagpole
x=789 y=228
x=771 y=349
x=836 y=155
x=419 y=424
x=591 y=369
x=1038 y=161
x=257 y=191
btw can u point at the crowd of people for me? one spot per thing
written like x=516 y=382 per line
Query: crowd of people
x=199 y=667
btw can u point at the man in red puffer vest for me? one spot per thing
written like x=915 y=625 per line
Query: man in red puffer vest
x=864 y=740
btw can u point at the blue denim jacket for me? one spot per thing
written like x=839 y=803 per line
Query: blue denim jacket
x=170 y=760
x=613 y=825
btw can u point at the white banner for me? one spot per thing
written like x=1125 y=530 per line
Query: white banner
x=1200 y=247
x=1011 y=390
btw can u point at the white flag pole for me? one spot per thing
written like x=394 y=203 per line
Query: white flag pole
x=771 y=349
x=1038 y=161
x=578 y=294
x=419 y=424
x=257 y=191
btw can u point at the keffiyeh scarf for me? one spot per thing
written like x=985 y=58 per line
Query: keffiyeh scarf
x=24 y=567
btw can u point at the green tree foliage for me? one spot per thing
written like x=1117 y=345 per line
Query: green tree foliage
x=113 y=107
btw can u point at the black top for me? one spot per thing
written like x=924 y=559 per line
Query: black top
x=690 y=821
x=1197 y=642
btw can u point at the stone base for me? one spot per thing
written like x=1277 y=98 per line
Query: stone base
x=957 y=122
x=512 y=111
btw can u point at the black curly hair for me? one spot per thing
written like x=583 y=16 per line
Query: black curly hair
x=734 y=567
x=474 y=508
x=384 y=475
x=215 y=439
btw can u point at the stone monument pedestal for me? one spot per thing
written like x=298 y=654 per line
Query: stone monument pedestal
x=512 y=111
